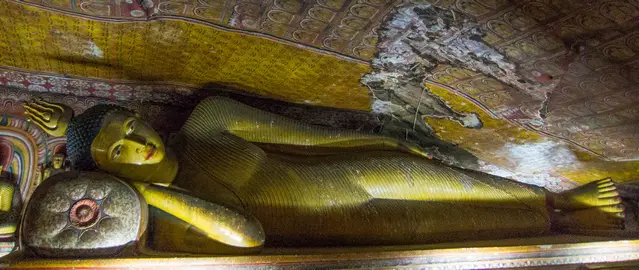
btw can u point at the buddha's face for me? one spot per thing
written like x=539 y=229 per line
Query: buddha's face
x=125 y=139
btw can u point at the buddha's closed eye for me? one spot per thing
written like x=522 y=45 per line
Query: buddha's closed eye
x=130 y=127
x=117 y=152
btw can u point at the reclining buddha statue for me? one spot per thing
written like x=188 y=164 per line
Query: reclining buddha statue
x=295 y=184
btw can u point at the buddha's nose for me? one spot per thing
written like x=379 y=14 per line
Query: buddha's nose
x=138 y=140
x=142 y=146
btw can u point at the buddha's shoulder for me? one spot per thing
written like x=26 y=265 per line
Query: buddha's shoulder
x=218 y=108
x=180 y=142
x=218 y=102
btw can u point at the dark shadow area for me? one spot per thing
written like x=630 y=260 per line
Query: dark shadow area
x=629 y=192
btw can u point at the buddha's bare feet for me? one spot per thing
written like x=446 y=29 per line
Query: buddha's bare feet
x=591 y=219
x=594 y=194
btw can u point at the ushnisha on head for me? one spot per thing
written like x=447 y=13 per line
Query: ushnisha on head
x=104 y=136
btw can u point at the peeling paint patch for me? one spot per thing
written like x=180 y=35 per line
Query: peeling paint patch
x=414 y=41
x=382 y=107
x=94 y=50
x=397 y=83
x=534 y=164
x=543 y=179
x=399 y=71
x=540 y=156
x=75 y=45
x=470 y=121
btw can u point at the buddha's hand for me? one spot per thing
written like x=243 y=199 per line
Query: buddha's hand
x=53 y=118
x=220 y=223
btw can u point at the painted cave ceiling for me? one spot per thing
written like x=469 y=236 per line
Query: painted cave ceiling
x=542 y=91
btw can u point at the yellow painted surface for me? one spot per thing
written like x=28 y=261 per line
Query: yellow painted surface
x=619 y=171
x=489 y=142
x=176 y=51
x=484 y=142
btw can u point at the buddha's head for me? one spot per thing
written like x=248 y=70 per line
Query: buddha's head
x=58 y=161
x=113 y=139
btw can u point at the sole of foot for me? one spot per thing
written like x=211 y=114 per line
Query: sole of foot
x=596 y=218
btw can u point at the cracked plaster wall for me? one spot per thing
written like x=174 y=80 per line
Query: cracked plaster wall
x=413 y=41
x=417 y=38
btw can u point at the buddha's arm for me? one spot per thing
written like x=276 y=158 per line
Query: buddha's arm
x=218 y=222
x=170 y=234
x=254 y=125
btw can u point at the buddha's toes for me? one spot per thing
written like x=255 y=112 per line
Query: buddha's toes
x=607 y=192
x=594 y=194
x=616 y=210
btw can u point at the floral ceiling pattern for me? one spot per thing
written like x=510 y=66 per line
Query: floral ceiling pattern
x=340 y=26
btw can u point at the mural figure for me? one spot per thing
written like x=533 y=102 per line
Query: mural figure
x=6 y=154
x=240 y=178
x=7 y=190
x=57 y=166
x=8 y=213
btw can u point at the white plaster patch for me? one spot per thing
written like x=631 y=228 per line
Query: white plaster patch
x=471 y=120
x=78 y=46
x=381 y=107
x=540 y=156
x=534 y=164
x=545 y=180
x=94 y=50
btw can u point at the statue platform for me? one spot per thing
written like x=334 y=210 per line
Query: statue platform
x=558 y=252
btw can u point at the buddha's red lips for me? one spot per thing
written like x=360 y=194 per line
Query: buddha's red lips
x=151 y=152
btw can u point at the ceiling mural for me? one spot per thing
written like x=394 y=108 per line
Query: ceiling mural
x=340 y=26
x=540 y=91
x=584 y=50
